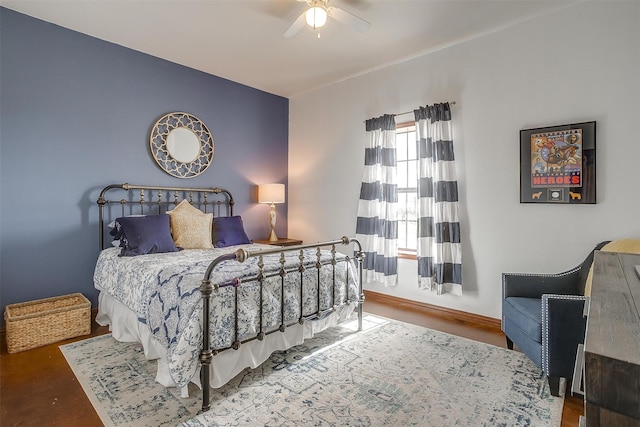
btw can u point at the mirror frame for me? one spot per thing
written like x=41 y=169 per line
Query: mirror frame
x=160 y=152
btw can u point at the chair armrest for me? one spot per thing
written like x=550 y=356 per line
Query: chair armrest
x=563 y=328
x=535 y=285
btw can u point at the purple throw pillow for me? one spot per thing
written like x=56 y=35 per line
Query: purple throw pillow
x=149 y=234
x=229 y=231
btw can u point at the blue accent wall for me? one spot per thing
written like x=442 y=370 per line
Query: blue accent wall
x=75 y=115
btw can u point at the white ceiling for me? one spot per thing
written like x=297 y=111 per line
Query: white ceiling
x=241 y=40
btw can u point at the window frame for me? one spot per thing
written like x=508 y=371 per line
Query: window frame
x=402 y=129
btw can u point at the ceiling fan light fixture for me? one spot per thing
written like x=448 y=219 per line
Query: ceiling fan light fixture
x=316 y=17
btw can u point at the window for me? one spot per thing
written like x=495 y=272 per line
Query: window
x=407 y=162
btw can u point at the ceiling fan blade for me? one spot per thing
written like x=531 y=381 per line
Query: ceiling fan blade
x=297 y=25
x=357 y=4
x=349 y=18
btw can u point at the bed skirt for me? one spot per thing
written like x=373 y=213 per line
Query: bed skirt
x=125 y=327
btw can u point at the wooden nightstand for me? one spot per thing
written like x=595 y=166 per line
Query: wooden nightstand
x=280 y=242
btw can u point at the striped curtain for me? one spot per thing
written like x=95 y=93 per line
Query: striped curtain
x=377 y=225
x=439 y=252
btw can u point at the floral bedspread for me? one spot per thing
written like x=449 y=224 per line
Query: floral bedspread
x=162 y=289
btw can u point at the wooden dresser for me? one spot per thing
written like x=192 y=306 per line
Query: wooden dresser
x=612 y=343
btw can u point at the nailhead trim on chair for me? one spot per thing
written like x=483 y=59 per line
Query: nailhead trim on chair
x=504 y=291
x=504 y=282
x=545 y=324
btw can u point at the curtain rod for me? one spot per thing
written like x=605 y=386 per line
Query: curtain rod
x=410 y=112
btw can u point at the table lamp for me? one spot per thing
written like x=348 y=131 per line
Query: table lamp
x=272 y=194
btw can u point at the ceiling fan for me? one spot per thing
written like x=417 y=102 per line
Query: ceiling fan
x=316 y=16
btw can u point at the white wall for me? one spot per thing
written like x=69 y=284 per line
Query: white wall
x=579 y=64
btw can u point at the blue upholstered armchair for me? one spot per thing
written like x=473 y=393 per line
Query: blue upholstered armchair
x=543 y=315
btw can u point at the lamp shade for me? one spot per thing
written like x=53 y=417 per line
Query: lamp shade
x=271 y=193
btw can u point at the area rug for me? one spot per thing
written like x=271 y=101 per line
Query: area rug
x=390 y=374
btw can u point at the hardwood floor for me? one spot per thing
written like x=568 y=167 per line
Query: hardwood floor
x=37 y=387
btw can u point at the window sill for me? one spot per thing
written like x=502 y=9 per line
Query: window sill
x=407 y=255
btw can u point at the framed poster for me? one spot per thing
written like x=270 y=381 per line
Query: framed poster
x=558 y=164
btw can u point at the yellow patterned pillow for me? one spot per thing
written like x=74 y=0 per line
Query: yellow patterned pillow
x=630 y=246
x=190 y=227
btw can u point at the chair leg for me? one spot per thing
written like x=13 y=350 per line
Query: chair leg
x=554 y=386
x=509 y=343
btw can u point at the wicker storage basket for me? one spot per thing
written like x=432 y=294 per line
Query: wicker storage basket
x=45 y=321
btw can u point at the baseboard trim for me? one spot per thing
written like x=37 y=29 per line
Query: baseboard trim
x=434 y=310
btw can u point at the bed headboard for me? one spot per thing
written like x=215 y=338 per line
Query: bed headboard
x=119 y=200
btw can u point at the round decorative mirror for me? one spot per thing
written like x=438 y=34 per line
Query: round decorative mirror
x=181 y=144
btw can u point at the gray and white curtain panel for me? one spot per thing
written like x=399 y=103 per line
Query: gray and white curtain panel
x=439 y=252
x=377 y=225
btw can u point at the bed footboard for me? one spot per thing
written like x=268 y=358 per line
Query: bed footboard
x=207 y=289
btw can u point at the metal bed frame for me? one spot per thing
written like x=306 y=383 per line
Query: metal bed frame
x=138 y=199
